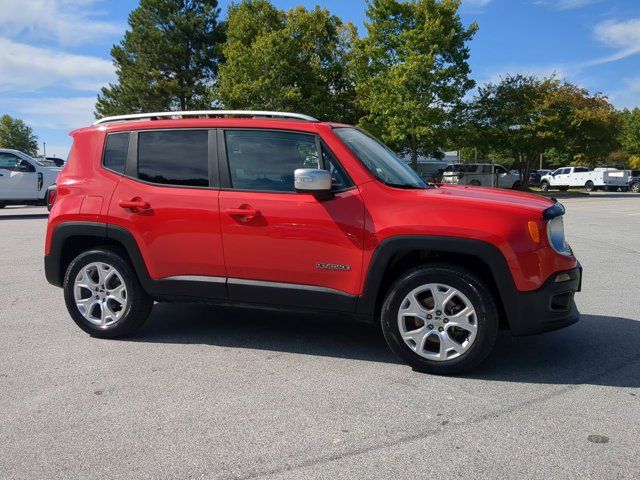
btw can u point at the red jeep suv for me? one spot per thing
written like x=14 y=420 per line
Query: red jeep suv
x=278 y=209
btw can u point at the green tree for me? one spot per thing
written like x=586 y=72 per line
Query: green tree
x=14 y=133
x=290 y=61
x=167 y=60
x=412 y=70
x=523 y=117
x=508 y=118
x=630 y=132
x=586 y=127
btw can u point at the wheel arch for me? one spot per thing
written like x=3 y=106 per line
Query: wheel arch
x=69 y=239
x=396 y=255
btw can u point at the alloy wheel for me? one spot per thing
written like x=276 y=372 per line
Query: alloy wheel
x=437 y=322
x=100 y=294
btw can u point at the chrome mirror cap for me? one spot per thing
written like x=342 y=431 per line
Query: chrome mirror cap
x=312 y=180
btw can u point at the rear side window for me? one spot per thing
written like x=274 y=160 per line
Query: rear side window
x=115 y=152
x=580 y=169
x=174 y=157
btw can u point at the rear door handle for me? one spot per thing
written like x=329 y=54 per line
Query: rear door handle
x=135 y=205
x=243 y=212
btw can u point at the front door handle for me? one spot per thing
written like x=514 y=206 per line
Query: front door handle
x=243 y=212
x=136 y=205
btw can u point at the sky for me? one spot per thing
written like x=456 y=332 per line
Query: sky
x=54 y=54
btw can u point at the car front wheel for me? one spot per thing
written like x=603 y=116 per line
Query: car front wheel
x=635 y=187
x=103 y=294
x=440 y=319
x=544 y=186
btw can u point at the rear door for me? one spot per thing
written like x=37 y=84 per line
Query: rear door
x=282 y=247
x=18 y=178
x=168 y=200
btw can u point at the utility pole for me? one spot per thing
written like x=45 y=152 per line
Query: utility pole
x=44 y=149
x=540 y=161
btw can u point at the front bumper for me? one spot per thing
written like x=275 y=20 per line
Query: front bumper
x=549 y=308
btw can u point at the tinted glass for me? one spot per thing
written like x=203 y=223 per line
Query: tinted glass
x=566 y=171
x=580 y=169
x=115 y=151
x=8 y=160
x=174 y=157
x=339 y=178
x=379 y=159
x=266 y=160
x=500 y=170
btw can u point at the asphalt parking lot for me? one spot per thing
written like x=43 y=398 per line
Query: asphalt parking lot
x=210 y=392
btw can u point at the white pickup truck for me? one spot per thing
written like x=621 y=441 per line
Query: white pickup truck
x=568 y=177
x=23 y=179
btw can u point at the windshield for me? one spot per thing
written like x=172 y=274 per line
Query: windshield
x=379 y=160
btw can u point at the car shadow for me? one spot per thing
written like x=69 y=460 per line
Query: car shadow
x=329 y=335
x=598 y=350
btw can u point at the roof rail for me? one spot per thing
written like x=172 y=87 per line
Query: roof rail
x=206 y=113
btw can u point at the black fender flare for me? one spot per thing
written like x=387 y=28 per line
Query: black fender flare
x=113 y=234
x=486 y=252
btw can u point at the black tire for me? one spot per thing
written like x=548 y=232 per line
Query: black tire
x=516 y=185
x=589 y=186
x=635 y=187
x=544 y=186
x=2 y=205
x=466 y=283
x=139 y=304
x=475 y=183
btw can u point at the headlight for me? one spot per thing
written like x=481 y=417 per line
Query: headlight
x=555 y=234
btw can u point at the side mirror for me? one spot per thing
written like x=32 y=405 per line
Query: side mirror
x=312 y=180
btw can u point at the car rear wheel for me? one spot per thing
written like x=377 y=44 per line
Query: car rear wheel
x=544 y=186
x=474 y=183
x=589 y=186
x=440 y=319
x=516 y=185
x=103 y=294
x=635 y=187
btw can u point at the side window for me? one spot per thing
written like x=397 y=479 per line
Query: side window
x=174 y=157
x=339 y=178
x=566 y=171
x=115 y=151
x=8 y=161
x=486 y=169
x=580 y=169
x=500 y=169
x=266 y=160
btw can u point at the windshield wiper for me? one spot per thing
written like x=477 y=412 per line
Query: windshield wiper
x=406 y=186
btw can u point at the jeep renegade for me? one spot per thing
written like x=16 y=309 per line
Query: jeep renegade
x=276 y=209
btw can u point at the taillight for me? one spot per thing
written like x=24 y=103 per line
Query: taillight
x=52 y=194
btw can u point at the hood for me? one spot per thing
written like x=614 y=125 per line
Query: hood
x=498 y=197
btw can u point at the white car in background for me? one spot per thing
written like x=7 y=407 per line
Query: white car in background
x=581 y=177
x=480 y=175
x=23 y=179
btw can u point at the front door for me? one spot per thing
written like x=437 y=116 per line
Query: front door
x=18 y=178
x=283 y=247
x=165 y=200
